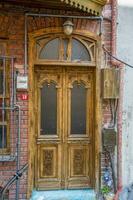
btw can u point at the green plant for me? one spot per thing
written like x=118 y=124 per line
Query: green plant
x=105 y=190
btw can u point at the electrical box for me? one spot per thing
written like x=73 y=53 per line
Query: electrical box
x=22 y=82
x=109 y=137
x=110 y=83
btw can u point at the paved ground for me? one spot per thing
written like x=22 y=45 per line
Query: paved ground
x=86 y=194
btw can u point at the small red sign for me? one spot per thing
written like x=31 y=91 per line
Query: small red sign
x=24 y=96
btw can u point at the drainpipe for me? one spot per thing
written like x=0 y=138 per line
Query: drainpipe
x=3 y=101
x=18 y=150
x=119 y=148
x=114 y=26
x=114 y=31
x=25 y=45
x=119 y=156
x=16 y=107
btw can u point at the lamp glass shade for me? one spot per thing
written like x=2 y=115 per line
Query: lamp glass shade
x=68 y=27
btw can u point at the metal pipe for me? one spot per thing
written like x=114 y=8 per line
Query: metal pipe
x=25 y=45
x=113 y=56
x=12 y=77
x=7 y=108
x=119 y=137
x=12 y=100
x=51 y=15
x=7 y=57
x=114 y=27
x=12 y=180
x=15 y=86
x=64 y=16
x=14 y=103
x=3 y=104
x=18 y=149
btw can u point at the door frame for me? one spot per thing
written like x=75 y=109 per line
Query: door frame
x=31 y=127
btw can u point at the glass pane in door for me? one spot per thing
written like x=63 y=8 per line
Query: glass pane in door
x=79 y=51
x=78 y=109
x=49 y=109
x=50 y=50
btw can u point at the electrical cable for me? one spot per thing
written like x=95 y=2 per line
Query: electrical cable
x=113 y=111
x=105 y=50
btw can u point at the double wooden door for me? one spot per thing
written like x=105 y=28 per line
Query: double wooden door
x=64 y=127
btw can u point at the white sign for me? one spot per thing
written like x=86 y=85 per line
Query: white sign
x=22 y=82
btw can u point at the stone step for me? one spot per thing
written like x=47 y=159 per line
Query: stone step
x=85 y=194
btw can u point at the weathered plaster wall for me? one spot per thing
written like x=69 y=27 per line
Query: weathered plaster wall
x=125 y=52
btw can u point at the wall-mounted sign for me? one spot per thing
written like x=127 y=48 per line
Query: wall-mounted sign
x=24 y=96
x=22 y=82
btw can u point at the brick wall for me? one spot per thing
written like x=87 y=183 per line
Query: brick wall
x=12 y=23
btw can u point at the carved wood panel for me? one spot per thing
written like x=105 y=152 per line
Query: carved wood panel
x=48 y=162
x=78 y=162
x=79 y=169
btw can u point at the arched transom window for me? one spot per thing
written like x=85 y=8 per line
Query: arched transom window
x=60 y=48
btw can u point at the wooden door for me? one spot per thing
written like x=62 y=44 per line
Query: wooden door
x=65 y=138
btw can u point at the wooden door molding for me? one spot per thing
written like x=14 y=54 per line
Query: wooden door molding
x=41 y=32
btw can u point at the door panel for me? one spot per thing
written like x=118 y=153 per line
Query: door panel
x=64 y=100
x=49 y=170
x=79 y=85
x=49 y=135
x=78 y=168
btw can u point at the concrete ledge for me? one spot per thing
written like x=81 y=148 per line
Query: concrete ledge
x=7 y=158
x=83 y=194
